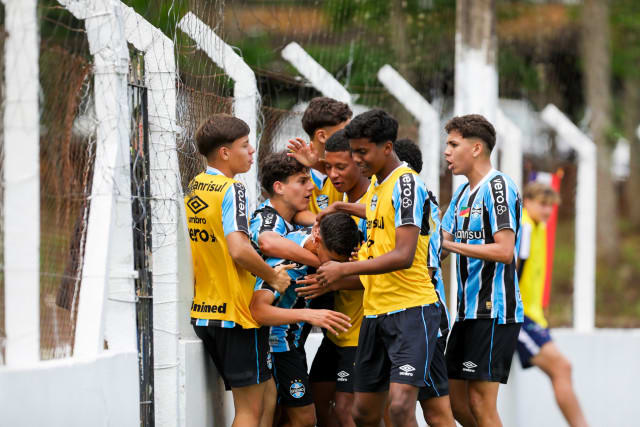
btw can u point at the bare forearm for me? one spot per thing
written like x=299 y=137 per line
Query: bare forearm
x=397 y=259
x=349 y=283
x=276 y=246
x=354 y=209
x=488 y=252
x=249 y=259
x=306 y=218
x=270 y=315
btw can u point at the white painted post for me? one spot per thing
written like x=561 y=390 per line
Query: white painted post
x=107 y=296
x=510 y=144
x=170 y=308
x=246 y=97
x=319 y=78
x=428 y=119
x=585 y=240
x=21 y=183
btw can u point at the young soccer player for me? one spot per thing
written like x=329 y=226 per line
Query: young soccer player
x=481 y=226
x=398 y=334
x=223 y=263
x=322 y=118
x=434 y=398
x=337 y=236
x=535 y=347
x=331 y=373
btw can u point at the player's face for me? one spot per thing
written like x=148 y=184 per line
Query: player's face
x=342 y=170
x=539 y=210
x=461 y=153
x=241 y=155
x=296 y=191
x=324 y=254
x=369 y=156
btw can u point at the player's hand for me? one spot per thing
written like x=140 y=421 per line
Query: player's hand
x=332 y=208
x=330 y=272
x=302 y=152
x=332 y=321
x=282 y=280
x=313 y=288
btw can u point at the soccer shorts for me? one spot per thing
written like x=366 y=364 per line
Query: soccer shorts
x=438 y=379
x=240 y=355
x=481 y=349
x=396 y=347
x=530 y=340
x=292 y=380
x=334 y=364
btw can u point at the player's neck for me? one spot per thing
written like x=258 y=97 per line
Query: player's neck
x=479 y=171
x=392 y=164
x=223 y=167
x=358 y=190
x=283 y=209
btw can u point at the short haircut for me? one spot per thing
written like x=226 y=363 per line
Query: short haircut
x=473 y=126
x=337 y=142
x=408 y=151
x=323 y=111
x=339 y=233
x=376 y=125
x=218 y=130
x=541 y=192
x=278 y=167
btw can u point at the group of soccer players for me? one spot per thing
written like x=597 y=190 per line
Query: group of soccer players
x=349 y=239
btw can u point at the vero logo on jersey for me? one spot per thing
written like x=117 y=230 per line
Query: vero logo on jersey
x=407 y=370
x=196 y=204
x=469 y=366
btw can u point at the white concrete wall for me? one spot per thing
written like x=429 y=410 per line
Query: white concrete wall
x=605 y=369
x=71 y=392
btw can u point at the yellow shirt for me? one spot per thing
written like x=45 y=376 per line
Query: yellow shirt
x=324 y=193
x=397 y=201
x=533 y=268
x=349 y=302
x=216 y=206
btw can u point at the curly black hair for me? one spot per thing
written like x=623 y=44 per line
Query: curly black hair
x=339 y=233
x=408 y=151
x=278 y=167
x=376 y=125
x=324 y=111
x=337 y=142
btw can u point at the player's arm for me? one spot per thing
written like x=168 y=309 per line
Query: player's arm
x=353 y=209
x=444 y=253
x=313 y=288
x=310 y=155
x=499 y=251
x=275 y=245
x=306 y=218
x=267 y=314
x=245 y=256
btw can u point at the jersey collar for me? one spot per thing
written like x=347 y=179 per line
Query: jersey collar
x=483 y=180
x=377 y=183
x=213 y=171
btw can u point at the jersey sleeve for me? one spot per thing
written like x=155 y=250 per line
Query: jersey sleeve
x=525 y=241
x=266 y=219
x=503 y=203
x=234 y=210
x=318 y=178
x=435 y=237
x=448 y=222
x=409 y=195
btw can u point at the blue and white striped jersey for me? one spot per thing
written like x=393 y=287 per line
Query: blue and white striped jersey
x=286 y=337
x=486 y=289
x=266 y=218
x=433 y=260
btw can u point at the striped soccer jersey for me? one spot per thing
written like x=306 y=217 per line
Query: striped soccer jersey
x=435 y=249
x=286 y=337
x=266 y=218
x=486 y=289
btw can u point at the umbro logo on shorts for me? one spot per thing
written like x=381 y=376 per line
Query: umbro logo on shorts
x=469 y=366
x=342 y=376
x=407 y=370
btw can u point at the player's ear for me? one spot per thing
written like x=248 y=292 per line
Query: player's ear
x=388 y=148
x=278 y=187
x=320 y=135
x=223 y=153
x=477 y=148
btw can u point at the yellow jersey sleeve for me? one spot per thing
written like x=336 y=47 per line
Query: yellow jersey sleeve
x=532 y=268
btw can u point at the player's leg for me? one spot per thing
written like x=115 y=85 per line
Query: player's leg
x=294 y=396
x=558 y=368
x=411 y=340
x=437 y=412
x=323 y=382
x=344 y=386
x=343 y=409
x=458 y=385
x=483 y=398
x=249 y=404
x=434 y=398
x=459 y=396
x=371 y=374
x=270 y=397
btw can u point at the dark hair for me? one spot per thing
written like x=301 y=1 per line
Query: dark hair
x=375 y=125
x=217 y=130
x=324 y=111
x=337 y=142
x=473 y=126
x=543 y=192
x=408 y=151
x=339 y=233
x=278 y=167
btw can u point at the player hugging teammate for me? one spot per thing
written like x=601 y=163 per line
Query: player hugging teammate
x=348 y=222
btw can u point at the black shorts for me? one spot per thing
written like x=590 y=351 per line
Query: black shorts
x=438 y=378
x=481 y=349
x=240 y=355
x=292 y=380
x=396 y=348
x=334 y=364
